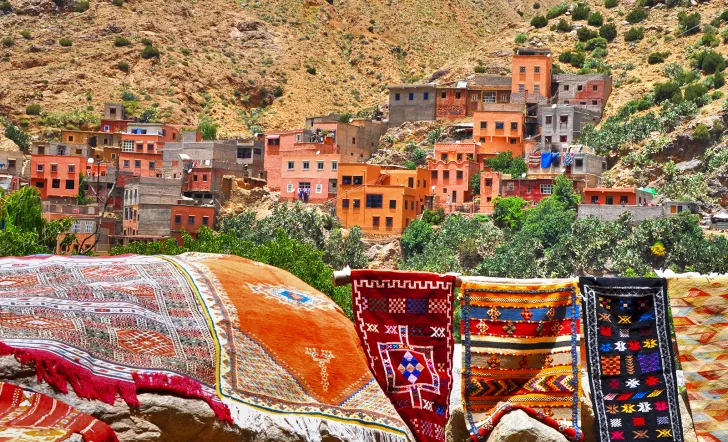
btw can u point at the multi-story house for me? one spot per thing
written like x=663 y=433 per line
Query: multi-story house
x=141 y=148
x=561 y=124
x=147 y=208
x=590 y=91
x=114 y=119
x=499 y=128
x=251 y=154
x=531 y=76
x=190 y=218
x=57 y=176
x=411 y=102
x=461 y=99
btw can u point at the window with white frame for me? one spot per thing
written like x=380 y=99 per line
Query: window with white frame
x=319 y=188
x=334 y=165
x=489 y=97
x=289 y=188
x=546 y=189
x=76 y=227
x=89 y=226
x=319 y=165
x=306 y=165
x=128 y=146
x=291 y=165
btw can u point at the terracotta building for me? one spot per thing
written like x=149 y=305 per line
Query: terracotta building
x=531 y=76
x=141 y=148
x=494 y=184
x=589 y=91
x=56 y=176
x=147 y=208
x=616 y=196
x=114 y=118
x=380 y=199
x=461 y=99
x=499 y=128
x=450 y=180
x=85 y=226
x=190 y=218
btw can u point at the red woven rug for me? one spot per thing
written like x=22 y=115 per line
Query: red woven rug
x=27 y=415
x=404 y=320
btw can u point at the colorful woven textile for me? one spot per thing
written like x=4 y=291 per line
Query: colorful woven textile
x=630 y=359
x=289 y=351
x=700 y=316
x=108 y=326
x=27 y=415
x=521 y=350
x=404 y=320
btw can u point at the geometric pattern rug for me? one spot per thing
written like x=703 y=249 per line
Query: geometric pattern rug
x=700 y=315
x=287 y=353
x=521 y=351
x=630 y=359
x=26 y=415
x=404 y=320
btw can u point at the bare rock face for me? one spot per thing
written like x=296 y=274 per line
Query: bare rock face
x=385 y=256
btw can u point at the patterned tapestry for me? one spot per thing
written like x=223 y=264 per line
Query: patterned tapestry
x=108 y=326
x=521 y=351
x=288 y=351
x=700 y=316
x=630 y=359
x=404 y=320
x=26 y=415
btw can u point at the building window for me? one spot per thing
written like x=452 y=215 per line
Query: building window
x=76 y=227
x=536 y=69
x=392 y=204
x=595 y=103
x=483 y=124
x=460 y=157
x=505 y=98
x=345 y=180
x=345 y=203
x=357 y=203
x=319 y=188
x=195 y=177
x=205 y=220
x=566 y=87
x=334 y=165
x=610 y=200
x=54 y=167
x=396 y=97
x=70 y=138
x=56 y=184
x=291 y=165
x=411 y=182
x=137 y=164
x=537 y=88
x=513 y=140
x=595 y=199
x=374 y=200
x=128 y=146
x=546 y=189
x=358 y=180
x=563 y=138
x=353 y=140
x=178 y=219
x=443 y=95
x=411 y=96
x=514 y=126
x=289 y=188
x=457 y=95
x=595 y=88
x=489 y=182
x=70 y=184
x=306 y=165
x=510 y=187
x=319 y=165
x=564 y=119
x=89 y=226
x=375 y=221
x=191 y=219
x=204 y=177
x=140 y=147
x=150 y=147
x=152 y=165
x=522 y=69
x=459 y=175
x=547 y=139
x=489 y=97
x=549 y=119
x=39 y=184
x=106 y=128
x=623 y=200
x=474 y=98
x=578 y=163
x=580 y=87
x=406 y=205
x=521 y=87
x=445 y=174
x=426 y=96
x=499 y=125
x=126 y=164
x=389 y=221
x=433 y=174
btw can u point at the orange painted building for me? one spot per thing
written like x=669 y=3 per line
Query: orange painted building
x=274 y=144
x=451 y=180
x=499 y=128
x=187 y=218
x=56 y=176
x=494 y=184
x=531 y=74
x=91 y=137
x=141 y=153
x=379 y=199
x=460 y=99
x=616 y=196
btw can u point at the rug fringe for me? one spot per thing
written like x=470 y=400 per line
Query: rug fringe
x=59 y=372
x=309 y=427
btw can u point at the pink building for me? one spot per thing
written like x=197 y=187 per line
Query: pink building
x=451 y=180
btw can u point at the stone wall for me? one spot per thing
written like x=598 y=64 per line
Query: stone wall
x=611 y=213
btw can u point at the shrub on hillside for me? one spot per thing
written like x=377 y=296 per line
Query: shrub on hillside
x=7 y=41
x=595 y=43
x=150 y=52
x=595 y=19
x=33 y=109
x=564 y=26
x=599 y=53
x=697 y=93
x=557 y=11
x=608 y=31
x=665 y=91
x=65 y=42
x=701 y=133
x=657 y=57
x=718 y=80
x=585 y=34
x=146 y=42
x=709 y=61
x=120 y=41
x=611 y=3
x=688 y=24
x=5 y=6
x=580 y=12
x=479 y=69
x=710 y=37
x=537 y=5
x=577 y=59
x=636 y=15
x=520 y=38
x=565 y=57
x=635 y=34
x=123 y=66
x=25 y=34
x=117 y=2
x=539 y=21
x=80 y=6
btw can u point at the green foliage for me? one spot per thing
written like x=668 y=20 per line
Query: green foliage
x=586 y=34
x=123 y=66
x=697 y=93
x=278 y=91
x=577 y=59
x=65 y=42
x=17 y=136
x=688 y=24
x=537 y=5
x=434 y=217
x=7 y=41
x=565 y=57
x=635 y=34
x=434 y=135
x=25 y=34
x=676 y=73
x=5 y=6
x=636 y=15
x=724 y=35
x=709 y=37
x=475 y=183
x=507 y=163
x=415 y=237
x=611 y=3
x=208 y=128
x=479 y=69
x=150 y=52
x=146 y=42
x=563 y=191
x=80 y=6
x=718 y=80
x=580 y=12
x=33 y=109
x=311 y=70
x=595 y=19
x=520 y=38
x=120 y=41
x=665 y=91
x=117 y=2
x=564 y=26
x=509 y=212
x=185 y=51
x=657 y=57
x=595 y=43
x=149 y=115
x=709 y=61
x=557 y=11
x=418 y=156
x=701 y=133
x=409 y=165
x=341 y=251
x=538 y=21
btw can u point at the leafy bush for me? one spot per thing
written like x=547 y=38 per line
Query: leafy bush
x=709 y=61
x=657 y=57
x=208 y=128
x=7 y=41
x=586 y=34
x=724 y=35
x=580 y=12
x=688 y=24
x=5 y=6
x=595 y=19
x=599 y=53
x=564 y=26
x=557 y=11
x=665 y=91
x=479 y=69
x=635 y=34
x=537 y=5
x=77 y=119
x=120 y=41
x=636 y=15
x=146 y=42
x=710 y=37
x=520 y=38
x=505 y=162
x=123 y=66
x=594 y=43
x=33 y=109
x=185 y=51
x=117 y=2
x=418 y=156
x=608 y=31
x=25 y=34
x=565 y=57
x=65 y=42
x=679 y=75
x=697 y=93
x=716 y=95
x=17 y=136
x=718 y=80
x=311 y=70
x=701 y=133
x=434 y=135
x=434 y=217
x=611 y=3
x=539 y=21
x=577 y=59
x=150 y=52
x=80 y=6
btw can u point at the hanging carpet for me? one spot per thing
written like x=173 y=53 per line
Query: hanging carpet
x=630 y=359
x=520 y=351
x=404 y=320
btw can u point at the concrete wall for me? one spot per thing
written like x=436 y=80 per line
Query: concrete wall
x=152 y=191
x=154 y=219
x=594 y=93
x=611 y=213
x=576 y=119
x=417 y=109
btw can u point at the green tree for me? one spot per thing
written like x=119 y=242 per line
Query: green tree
x=688 y=24
x=595 y=19
x=505 y=162
x=563 y=191
x=608 y=31
x=208 y=128
x=636 y=15
x=509 y=212
x=415 y=237
x=539 y=21
x=17 y=136
x=475 y=183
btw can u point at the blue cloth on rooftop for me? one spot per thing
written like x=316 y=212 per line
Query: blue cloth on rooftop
x=546 y=160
